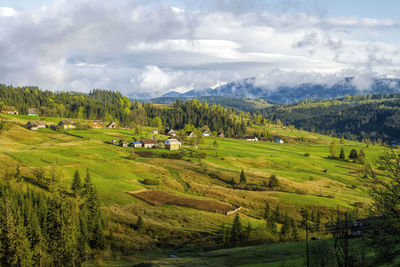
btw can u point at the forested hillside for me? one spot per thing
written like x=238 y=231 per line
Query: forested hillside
x=368 y=118
x=109 y=105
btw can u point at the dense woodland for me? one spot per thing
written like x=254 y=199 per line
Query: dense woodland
x=39 y=229
x=363 y=118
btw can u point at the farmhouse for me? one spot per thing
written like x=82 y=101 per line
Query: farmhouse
x=190 y=134
x=172 y=144
x=96 y=124
x=135 y=144
x=251 y=138
x=34 y=125
x=112 y=125
x=221 y=135
x=278 y=140
x=33 y=112
x=170 y=132
x=149 y=143
x=206 y=133
x=67 y=124
x=9 y=110
x=123 y=143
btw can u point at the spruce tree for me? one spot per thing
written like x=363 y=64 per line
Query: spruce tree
x=353 y=155
x=342 y=156
x=243 y=179
x=269 y=219
x=285 y=229
x=76 y=184
x=236 y=231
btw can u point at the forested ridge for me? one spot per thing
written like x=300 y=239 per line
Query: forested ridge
x=363 y=118
x=109 y=105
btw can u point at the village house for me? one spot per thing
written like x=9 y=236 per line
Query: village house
x=112 y=125
x=123 y=143
x=135 y=144
x=9 y=110
x=170 y=132
x=149 y=143
x=67 y=124
x=206 y=133
x=34 y=125
x=264 y=139
x=96 y=124
x=154 y=132
x=172 y=144
x=221 y=135
x=190 y=134
x=33 y=112
x=278 y=140
x=251 y=138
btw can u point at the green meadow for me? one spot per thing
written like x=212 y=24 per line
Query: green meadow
x=307 y=176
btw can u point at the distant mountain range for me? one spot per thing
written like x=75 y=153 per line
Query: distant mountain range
x=247 y=88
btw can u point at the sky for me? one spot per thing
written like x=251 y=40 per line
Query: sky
x=148 y=48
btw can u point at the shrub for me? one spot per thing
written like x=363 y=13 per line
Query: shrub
x=149 y=181
x=273 y=181
x=307 y=154
x=133 y=156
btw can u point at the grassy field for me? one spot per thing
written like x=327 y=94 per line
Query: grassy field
x=315 y=181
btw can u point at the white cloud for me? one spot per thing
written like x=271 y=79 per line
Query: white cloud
x=142 y=48
x=7 y=12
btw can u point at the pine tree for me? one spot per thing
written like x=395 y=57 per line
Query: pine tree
x=99 y=241
x=243 y=179
x=18 y=174
x=269 y=219
x=236 y=231
x=353 y=155
x=285 y=229
x=342 y=156
x=76 y=184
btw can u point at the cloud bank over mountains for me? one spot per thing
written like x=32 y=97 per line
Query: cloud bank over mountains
x=146 y=48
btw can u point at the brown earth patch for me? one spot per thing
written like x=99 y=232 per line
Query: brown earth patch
x=157 y=198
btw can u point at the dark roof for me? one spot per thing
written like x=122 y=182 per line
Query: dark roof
x=149 y=141
x=249 y=137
